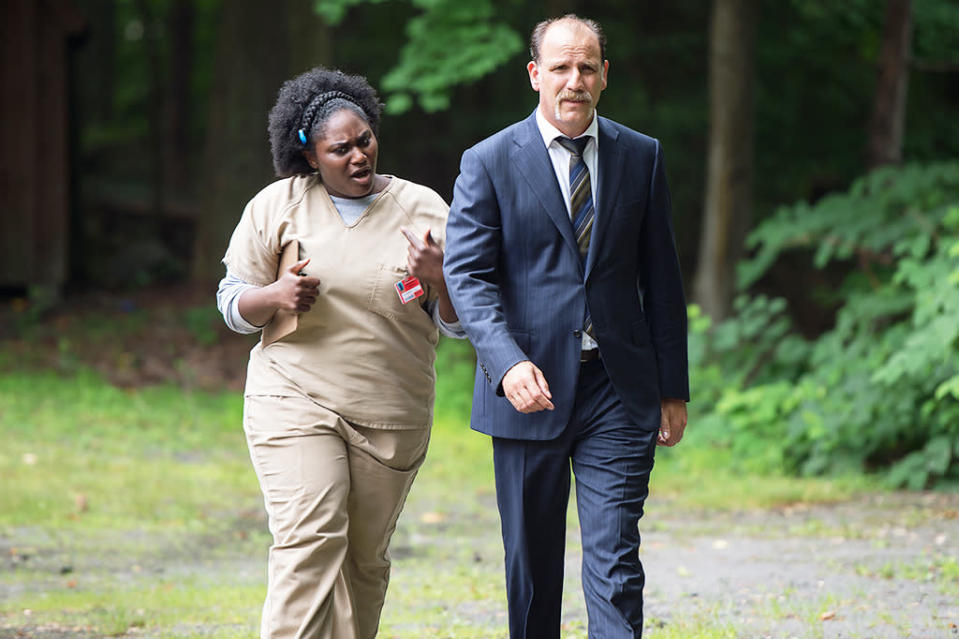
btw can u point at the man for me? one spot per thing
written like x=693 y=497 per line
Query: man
x=561 y=264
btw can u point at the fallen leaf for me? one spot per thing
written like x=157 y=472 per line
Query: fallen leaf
x=81 y=503
x=826 y=616
x=432 y=518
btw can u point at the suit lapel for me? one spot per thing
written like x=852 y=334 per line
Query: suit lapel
x=531 y=160
x=610 y=168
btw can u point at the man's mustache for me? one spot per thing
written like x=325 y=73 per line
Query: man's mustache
x=574 y=96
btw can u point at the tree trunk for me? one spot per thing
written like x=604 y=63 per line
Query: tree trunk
x=179 y=147
x=311 y=39
x=251 y=62
x=154 y=110
x=889 y=109
x=729 y=171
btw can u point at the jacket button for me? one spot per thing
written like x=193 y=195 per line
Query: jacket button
x=578 y=334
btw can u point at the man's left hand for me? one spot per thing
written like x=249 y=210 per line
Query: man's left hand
x=672 y=423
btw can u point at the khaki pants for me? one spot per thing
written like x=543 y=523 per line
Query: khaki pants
x=333 y=492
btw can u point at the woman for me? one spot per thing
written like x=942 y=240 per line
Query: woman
x=337 y=412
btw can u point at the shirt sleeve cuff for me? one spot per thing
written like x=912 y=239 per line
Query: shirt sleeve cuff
x=447 y=329
x=227 y=301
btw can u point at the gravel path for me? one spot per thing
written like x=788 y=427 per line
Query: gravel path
x=881 y=567
x=886 y=566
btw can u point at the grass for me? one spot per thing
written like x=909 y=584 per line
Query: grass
x=165 y=604
x=137 y=512
x=939 y=569
x=84 y=455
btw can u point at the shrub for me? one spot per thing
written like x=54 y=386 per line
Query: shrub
x=879 y=391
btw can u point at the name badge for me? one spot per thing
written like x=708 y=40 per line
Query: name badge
x=409 y=288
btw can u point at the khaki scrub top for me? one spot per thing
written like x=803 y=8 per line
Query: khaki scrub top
x=359 y=351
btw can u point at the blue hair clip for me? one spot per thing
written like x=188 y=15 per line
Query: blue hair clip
x=302 y=135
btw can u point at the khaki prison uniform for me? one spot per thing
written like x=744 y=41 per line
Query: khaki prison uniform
x=337 y=413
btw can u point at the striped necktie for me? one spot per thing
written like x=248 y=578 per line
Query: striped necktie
x=580 y=202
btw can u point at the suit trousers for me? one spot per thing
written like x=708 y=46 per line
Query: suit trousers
x=333 y=492
x=611 y=459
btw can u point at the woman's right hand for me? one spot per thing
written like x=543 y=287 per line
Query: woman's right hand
x=294 y=292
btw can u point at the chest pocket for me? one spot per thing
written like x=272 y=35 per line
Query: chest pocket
x=384 y=299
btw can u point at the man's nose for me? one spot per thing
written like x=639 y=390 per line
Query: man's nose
x=575 y=80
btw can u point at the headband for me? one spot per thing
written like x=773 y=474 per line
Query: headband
x=309 y=113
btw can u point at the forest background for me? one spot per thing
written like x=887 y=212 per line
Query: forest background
x=811 y=147
x=813 y=157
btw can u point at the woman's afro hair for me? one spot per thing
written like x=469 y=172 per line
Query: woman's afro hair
x=295 y=96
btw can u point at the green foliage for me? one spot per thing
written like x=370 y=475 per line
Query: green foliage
x=333 y=11
x=451 y=42
x=936 y=36
x=879 y=390
x=202 y=322
x=455 y=364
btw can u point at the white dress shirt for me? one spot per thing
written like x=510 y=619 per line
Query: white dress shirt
x=560 y=156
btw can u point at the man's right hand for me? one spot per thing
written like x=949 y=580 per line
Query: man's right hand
x=526 y=388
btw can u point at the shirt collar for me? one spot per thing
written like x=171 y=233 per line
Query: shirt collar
x=550 y=132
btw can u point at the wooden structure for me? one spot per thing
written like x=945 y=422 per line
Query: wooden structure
x=35 y=149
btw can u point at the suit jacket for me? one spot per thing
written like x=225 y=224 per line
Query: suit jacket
x=520 y=289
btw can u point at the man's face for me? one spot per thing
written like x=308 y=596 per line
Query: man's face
x=569 y=76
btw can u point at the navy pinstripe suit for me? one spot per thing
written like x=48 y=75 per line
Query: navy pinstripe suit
x=521 y=290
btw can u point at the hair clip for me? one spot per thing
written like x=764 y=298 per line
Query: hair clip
x=302 y=135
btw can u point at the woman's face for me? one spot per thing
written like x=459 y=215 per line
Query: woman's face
x=346 y=155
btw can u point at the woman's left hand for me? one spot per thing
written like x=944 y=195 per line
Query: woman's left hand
x=424 y=258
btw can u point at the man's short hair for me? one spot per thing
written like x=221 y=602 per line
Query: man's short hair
x=539 y=31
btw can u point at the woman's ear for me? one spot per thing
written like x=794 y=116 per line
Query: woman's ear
x=311 y=159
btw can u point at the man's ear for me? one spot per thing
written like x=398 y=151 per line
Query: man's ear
x=533 y=70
